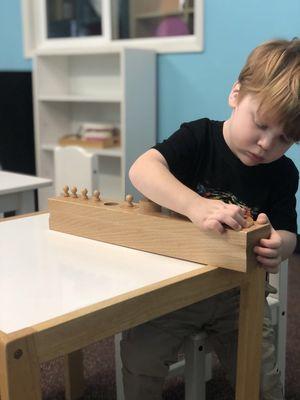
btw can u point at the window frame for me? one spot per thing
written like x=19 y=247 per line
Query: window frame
x=36 y=41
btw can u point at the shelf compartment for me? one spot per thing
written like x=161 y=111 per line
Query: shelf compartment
x=58 y=119
x=89 y=75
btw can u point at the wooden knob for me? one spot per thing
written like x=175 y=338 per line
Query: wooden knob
x=66 y=191
x=248 y=217
x=129 y=200
x=96 y=195
x=74 y=192
x=249 y=221
x=84 y=194
x=148 y=206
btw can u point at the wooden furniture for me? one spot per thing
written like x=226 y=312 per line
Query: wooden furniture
x=99 y=86
x=17 y=191
x=103 y=144
x=75 y=291
x=196 y=365
x=144 y=227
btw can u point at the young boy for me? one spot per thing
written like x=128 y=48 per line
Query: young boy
x=214 y=173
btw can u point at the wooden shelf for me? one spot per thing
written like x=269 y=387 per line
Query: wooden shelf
x=109 y=152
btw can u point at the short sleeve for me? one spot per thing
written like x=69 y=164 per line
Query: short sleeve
x=282 y=214
x=183 y=149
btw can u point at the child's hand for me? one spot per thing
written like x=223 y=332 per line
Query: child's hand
x=269 y=250
x=212 y=215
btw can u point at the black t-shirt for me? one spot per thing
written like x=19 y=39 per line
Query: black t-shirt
x=199 y=157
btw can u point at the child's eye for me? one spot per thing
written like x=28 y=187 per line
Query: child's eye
x=261 y=126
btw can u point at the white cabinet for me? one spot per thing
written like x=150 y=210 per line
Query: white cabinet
x=106 y=86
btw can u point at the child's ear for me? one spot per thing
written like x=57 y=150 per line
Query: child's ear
x=234 y=94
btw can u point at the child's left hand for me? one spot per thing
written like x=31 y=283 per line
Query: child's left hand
x=268 y=252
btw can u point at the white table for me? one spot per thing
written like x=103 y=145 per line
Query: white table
x=59 y=293
x=17 y=191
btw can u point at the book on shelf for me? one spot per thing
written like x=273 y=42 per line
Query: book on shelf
x=93 y=135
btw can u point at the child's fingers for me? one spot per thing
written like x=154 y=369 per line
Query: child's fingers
x=213 y=224
x=232 y=217
x=262 y=219
x=272 y=243
x=269 y=262
x=237 y=213
x=232 y=222
x=265 y=252
x=273 y=269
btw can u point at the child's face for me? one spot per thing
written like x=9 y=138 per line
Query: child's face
x=252 y=138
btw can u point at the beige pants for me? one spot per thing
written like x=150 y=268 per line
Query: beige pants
x=147 y=350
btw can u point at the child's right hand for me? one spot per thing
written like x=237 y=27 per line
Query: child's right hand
x=213 y=215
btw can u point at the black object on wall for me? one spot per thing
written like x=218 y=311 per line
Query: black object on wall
x=16 y=122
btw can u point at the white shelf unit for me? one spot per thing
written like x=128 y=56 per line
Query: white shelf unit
x=119 y=88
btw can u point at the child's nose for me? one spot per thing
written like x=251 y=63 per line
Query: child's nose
x=265 y=142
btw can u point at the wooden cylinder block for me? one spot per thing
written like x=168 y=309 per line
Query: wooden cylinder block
x=147 y=206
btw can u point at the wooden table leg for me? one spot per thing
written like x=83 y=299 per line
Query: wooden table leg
x=74 y=377
x=19 y=370
x=250 y=336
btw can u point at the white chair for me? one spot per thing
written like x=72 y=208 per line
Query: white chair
x=278 y=305
x=196 y=366
x=75 y=166
x=197 y=363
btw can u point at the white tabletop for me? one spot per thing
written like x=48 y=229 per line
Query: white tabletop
x=45 y=274
x=11 y=182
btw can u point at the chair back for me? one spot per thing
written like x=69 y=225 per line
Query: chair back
x=75 y=166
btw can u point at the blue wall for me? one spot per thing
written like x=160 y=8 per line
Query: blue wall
x=194 y=85
x=11 y=37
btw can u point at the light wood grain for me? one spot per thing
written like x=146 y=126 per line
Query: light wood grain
x=101 y=144
x=250 y=336
x=74 y=377
x=76 y=330
x=67 y=334
x=154 y=232
x=19 y=367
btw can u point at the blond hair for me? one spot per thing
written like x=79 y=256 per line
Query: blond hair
x=272 y=75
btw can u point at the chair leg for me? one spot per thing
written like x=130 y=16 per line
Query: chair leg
x=118 y=364
x=195 y=371
x=74 y=377
x=278 y=304
x=281 y=346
